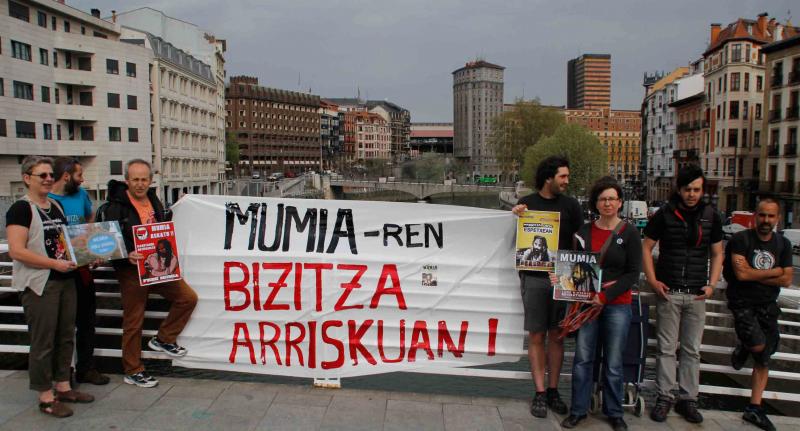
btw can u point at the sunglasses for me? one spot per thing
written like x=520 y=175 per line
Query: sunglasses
x=44 y=175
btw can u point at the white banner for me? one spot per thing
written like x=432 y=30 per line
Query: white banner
x=320 y=288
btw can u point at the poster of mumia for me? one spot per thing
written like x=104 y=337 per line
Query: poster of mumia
x=537 y=241
x=579 y=276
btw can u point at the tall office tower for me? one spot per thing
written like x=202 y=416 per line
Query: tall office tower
x=477 y=99
x=589 y=82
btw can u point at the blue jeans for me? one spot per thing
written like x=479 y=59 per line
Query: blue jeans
x=613 y=323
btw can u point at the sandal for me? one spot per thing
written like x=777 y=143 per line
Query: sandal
x=73 y=396
x=55 y=408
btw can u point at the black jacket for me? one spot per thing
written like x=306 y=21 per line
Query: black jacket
x=121 y=209
x=623 y=259
x=684 y=250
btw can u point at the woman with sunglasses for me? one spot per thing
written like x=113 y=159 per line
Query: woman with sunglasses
x=621 y=264
x=34 y=225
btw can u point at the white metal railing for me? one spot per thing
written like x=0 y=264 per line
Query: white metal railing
x=102 y=277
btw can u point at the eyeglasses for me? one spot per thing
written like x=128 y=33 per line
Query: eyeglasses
x=607 y=200
x=43 y=175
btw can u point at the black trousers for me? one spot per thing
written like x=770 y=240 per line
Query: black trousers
x=85 y=320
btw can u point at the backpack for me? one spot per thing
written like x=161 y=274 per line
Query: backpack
x=100 y=215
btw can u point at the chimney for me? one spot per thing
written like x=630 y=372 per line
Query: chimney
x=96 y=13
x=113 y=16
x=715 y=29
x=762 y=23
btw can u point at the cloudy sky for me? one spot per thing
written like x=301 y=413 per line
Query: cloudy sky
x=406 y=50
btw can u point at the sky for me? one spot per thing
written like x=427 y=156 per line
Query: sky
x=406 y=50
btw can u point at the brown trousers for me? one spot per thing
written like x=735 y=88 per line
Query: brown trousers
x=51 y=326
x=134 y=302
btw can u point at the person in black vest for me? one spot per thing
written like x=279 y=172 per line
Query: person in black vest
x=542 y=313
x=758 y=262
x=688 y=233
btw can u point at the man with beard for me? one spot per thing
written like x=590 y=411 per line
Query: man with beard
x=758 y=262
x=542 y=313
x=67 y=190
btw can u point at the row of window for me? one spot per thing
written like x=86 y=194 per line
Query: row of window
x=24 y=90
x=23 y=51
x=27 y=130
x=23 y=12
x=262 y=104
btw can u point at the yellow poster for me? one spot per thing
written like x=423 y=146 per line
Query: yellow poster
x=537 y=241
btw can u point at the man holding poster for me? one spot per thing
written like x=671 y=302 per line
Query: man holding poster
x=133 y=203
x=542 y=313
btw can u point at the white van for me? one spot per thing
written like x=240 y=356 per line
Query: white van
x=635 y=212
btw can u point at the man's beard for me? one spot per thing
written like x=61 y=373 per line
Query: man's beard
x=765 y=228
x=70 y=187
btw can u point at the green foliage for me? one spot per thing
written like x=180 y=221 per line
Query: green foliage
x=587 y=156
x=232 y=152
x=516 y=130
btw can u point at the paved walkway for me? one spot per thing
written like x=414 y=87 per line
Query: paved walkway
x=192 y=404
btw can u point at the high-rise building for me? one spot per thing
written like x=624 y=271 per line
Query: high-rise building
x=477 y=100
x=70 y=87
x=589 y=82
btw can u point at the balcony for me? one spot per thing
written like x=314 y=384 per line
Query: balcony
x=792 y=112
x=774 y=115
x=776 y=81
x=772 y=151
x=684 y=127
x=695 y=125
x=794 y=77
x=706 y=124
x=790 y=150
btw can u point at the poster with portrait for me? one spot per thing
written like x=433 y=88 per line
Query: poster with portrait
x=88 y=242
x=579 y=276
x=537 y=240
x=156 y=243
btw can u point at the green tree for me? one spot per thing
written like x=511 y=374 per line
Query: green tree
x=587 y=156
x=519 y=128
x=232 y=152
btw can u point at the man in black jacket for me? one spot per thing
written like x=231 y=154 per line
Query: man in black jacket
x=134 y=203
x=688 y=233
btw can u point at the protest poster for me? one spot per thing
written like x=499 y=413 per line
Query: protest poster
x=323 y=288
x=88 y=242
x=579 y=276
x=537 y=241
x=156 y=242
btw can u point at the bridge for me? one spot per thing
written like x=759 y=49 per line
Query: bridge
x=420 y=190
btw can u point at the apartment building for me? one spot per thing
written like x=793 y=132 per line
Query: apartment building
x=69 y=87
x=589 y=82
x=330 y=134
x=397 y=118
x=781 y=125
x=373 y=137
x=689 y=111
x=620 y=133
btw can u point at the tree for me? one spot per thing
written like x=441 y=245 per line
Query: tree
x=516 y=130
x=587 y=156
x=232 y=152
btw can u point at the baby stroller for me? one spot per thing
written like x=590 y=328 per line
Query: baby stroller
x=633 y=360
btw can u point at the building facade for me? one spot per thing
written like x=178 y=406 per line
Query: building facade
x=477 y=100
x=431 y=137
x=277 y=130
x=332 y=140
x=373 y=137
x=397 y=118
x=689 y=112
x=70 y=87
x=782 y=97
x=620 y=133
x=589 y=82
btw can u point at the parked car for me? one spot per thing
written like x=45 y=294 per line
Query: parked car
x=793 y=235
x=277 y=176
x=256 y=175
x=730 y=229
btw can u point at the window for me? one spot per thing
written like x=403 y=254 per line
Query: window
x=58 y=132
x=736 y=53
x=83 y=30
x=45 y=94
x=112 y=66
x=2 y=87
x=26 y=129
x=113 y=100
x=53 y=23
x=55 y=59
x=85 y=63
x=2 y=127
x=745 y=108
x=66 y=26
x=68 y=60
x=114 y=134
x=133 y=134
x=733 y=112
x=20 y=50
x=47 y=131
x=759 y=83
x=87 y=133
x=42 y=19
x=23 y=90
x=132 y=102
x=115 y=167
x=758 y=111
x=85 y=98
x=100 y=35
x=735 y=81
x=130 y=69
x=58 y=99
x=756 y=138
x=18 y=11
x=733 y=137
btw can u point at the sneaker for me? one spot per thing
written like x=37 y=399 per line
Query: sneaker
x=756 y=416
x=618 y=424
x=572 y=421
x=555 y=403
x=539 y=405
x=141 y=380
x=92 y=376
x=170 y=349
x=661 y=410
x=688 y=409
x=739 y=356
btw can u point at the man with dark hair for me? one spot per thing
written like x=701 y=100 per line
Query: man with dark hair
x=542 y=313
x=689 y=234
x=67 y=190
x=758 y=262
x=134 y=203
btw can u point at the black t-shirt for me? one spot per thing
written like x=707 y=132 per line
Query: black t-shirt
x=775 y=253
x=657 y=225
x=52 y=222
x=571 y=214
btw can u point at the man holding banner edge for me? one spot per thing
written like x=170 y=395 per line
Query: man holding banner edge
x=542 y=313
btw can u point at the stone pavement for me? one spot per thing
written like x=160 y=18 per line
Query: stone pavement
x=193 y=404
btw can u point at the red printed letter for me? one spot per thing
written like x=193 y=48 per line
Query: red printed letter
x=444 y=338
x=355 y=341
x=318 y=267
x=402 y=353
x=492 y=336
x=339 y=361
x=420 y=330
x=239 y=286
x=292 y=343
x=389 y=271
x=298 y=282
x=312 y=344
x=276 y=334
x=353 y=284
x=287 y=268
x=237 y=327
